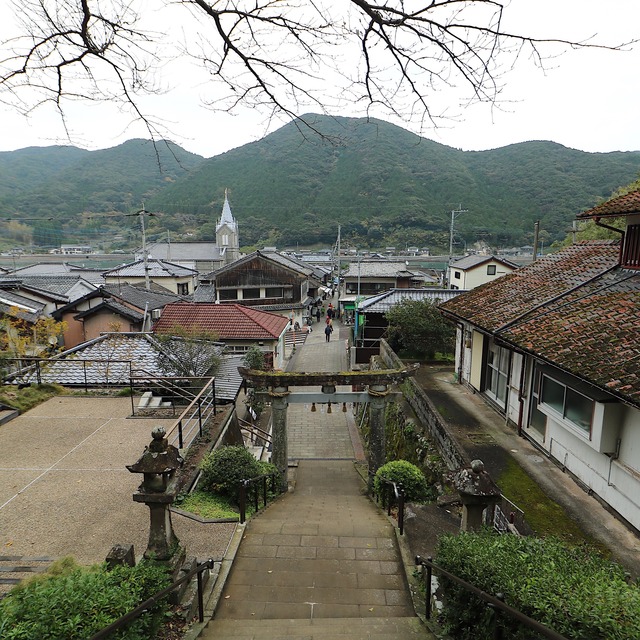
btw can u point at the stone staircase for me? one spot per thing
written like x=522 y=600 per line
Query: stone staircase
x=318 y=629
x=14 y=569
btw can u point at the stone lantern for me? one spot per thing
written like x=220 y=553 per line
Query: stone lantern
x=477 y=492
x=158 y=465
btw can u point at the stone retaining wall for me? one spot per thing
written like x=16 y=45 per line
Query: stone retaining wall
x=431 y=421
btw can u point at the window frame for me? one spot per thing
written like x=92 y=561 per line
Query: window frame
x=563 y=415
x=492 y=269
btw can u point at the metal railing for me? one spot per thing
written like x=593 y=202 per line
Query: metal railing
x=496 y=603
x=150 y=602
x=70 y=372
x=256 y=433
x=393 y=494
x=191 y=421
x=253 y=486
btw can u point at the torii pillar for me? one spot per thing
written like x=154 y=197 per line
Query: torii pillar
x=377 y=440
x=279 y=453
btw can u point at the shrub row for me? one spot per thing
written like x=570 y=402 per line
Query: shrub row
x=74 y=603
x=574 y=591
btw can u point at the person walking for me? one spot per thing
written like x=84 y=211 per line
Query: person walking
x=318 y=315
x=327 y=331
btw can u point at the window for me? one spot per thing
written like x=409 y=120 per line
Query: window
x=183 y=288
x=568 y=403
x=497 y=374
x=250 y=294
x=456 y=275
x=228 y=294
x=631 y=252
x=274 y=292
x=491 y=269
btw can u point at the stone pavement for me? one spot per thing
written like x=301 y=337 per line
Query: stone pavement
x=321 y=562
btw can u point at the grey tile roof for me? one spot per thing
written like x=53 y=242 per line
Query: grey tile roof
x=136 y=295
x=109 y=359
x=115 y=307
x=380 y=269
x=385 y=301
x=155 y=269
x=59 y=284
x=15 y=305
x=205 y=292
x=60 y=268
x=184 y=251
x=468 y=262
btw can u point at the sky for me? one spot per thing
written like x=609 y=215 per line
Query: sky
x=586 y=99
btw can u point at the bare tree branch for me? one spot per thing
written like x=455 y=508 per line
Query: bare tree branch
x=282 y=56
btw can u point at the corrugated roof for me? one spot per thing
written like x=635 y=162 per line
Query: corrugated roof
x=623 y=205
x=385 y=301
x=228 y=321
x=575 y=309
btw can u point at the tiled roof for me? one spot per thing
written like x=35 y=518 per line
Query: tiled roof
x=60 y=268
x=155 y=297
x=183 y=251
x=15 y=305
x=292 y=264
x=155 y=269
x=18 y=285
x=114 y=307
x=574 y=309
x=205 y=292
x=593 y=334
x=94 y=363
x=468 y=262
x=57 y=284
x=380 y=269
x=626 y=204
x=228 y=321
x=385 y=301
x=508 y=298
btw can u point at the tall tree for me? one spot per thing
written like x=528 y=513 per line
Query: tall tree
x=418 y=326
x=285 y=56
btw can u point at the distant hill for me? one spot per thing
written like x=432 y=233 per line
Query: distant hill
x=383 y=184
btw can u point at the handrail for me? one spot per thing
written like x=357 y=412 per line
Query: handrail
x=245 y=484
x=494 y=602
x=196 y=407
x=394 y=490
x=143 y=608
x=244 y=424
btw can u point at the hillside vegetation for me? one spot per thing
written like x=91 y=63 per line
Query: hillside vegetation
x=384 y=185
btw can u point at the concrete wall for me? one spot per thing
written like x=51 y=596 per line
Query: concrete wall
x=431 y=421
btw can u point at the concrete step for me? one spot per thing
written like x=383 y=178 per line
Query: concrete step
x=318 y=629
x=14 y=569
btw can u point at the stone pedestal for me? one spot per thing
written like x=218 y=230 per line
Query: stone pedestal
x=477 y=492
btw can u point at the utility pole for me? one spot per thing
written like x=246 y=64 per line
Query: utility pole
x=145 y=257
x=536 y=232
x=454 y=214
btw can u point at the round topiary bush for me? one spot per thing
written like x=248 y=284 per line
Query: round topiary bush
x=401 y=471
x=224 y=468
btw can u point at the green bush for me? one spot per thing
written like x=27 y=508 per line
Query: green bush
x=74 y=603
x=573 y=591
x=224 y=468
x=412 y=479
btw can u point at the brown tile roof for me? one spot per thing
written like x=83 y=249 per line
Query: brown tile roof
x=508 y=298
x=626 y=204
x=574 y=309
x=229 y=321
x=594 y=335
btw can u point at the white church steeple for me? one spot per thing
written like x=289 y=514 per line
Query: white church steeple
x=227 y=233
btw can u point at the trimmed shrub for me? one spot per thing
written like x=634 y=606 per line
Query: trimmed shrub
x=412 y=479
x=74 y=603
x=224 y=468
x=573 y=591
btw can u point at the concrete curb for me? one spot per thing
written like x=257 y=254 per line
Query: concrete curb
x=214 y=592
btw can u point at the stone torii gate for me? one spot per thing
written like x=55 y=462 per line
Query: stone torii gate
x=377 y=393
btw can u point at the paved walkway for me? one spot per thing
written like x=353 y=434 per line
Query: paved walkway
x=323 y=561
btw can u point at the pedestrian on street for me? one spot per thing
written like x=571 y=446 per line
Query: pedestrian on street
x=327 y=332
x=318 y=315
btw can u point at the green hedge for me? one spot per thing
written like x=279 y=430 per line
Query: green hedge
x=401 y=471
x=574 y=591
x=74 y=603
x=224 y=468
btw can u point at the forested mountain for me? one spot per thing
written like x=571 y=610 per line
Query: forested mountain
x=384 y=185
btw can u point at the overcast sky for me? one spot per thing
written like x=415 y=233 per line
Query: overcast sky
x=587 y=99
